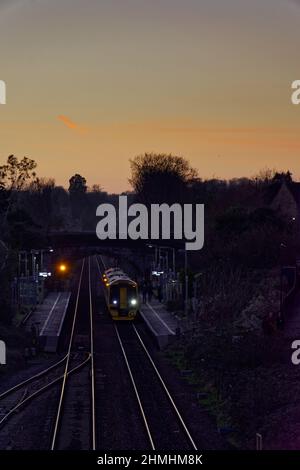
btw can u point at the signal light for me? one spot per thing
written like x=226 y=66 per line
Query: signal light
x=62 y=267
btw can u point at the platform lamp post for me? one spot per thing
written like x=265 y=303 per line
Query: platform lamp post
x=34 y=254
x=22 y=258
x=155 y=255
x=159 y=258
x=186 y=279
x=173 y=258
x=165 y=262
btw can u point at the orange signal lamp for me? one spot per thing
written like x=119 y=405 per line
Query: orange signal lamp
x=62 y=268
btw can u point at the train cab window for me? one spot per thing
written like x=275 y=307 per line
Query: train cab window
x=114 y=295
x=129 y=295
x=132 y=296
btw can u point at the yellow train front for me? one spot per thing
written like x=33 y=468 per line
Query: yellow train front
x=121 y=294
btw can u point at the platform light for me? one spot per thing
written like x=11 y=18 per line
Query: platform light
x=115 y=302
x=44 y=274
x=133 y=301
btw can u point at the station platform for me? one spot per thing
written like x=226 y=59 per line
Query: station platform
x=48 y=319
x=162 y=325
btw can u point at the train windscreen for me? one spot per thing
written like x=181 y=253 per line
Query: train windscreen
x=123 y=293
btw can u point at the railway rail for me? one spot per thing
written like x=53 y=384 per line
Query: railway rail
x=76 y=416
x=75 y=369
x=11 y=402
x=75 y=387
x=164 y=424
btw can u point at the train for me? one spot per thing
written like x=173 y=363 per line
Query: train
x=121 y=294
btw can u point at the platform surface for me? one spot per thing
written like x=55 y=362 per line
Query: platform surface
x=48 y=319
x=159 y=321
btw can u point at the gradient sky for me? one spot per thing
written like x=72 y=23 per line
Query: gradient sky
x=92 y=83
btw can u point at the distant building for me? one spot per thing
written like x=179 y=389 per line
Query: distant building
x=283 y=196
x=285 y=200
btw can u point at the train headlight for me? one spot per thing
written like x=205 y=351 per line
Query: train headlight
x=115 y=302
x=133 y=302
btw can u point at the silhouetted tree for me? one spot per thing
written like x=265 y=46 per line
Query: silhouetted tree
x=160 y=177
x=39 y=201
x=77 y=184
x=77 y=191
x=14 y=175
x=280 y=177
x=96 y=188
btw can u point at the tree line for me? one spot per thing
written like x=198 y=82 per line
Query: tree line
x=239 y=222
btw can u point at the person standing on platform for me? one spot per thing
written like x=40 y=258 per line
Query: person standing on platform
x=150 y=291
x=159 y=293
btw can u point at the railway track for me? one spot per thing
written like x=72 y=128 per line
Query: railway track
x=57 y=377
x=16 y=398
x=156 y=422
x=164 y=425
x=75 y=423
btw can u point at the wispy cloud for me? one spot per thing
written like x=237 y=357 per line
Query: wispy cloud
x=71 y=124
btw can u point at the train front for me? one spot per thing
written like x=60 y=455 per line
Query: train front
x=121 y=297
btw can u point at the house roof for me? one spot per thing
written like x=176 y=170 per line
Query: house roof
x=274 y=188
x=295 y=190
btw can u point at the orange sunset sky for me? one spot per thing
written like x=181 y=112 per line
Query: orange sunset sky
x=92 y=83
